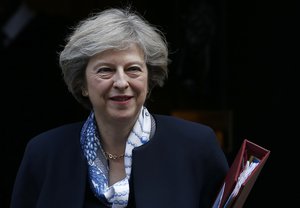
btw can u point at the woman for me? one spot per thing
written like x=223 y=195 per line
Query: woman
x=121 y=156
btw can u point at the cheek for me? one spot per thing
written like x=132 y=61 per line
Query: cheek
x=142 y=85
x=98 y=86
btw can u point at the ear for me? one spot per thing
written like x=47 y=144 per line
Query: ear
x=84 y=92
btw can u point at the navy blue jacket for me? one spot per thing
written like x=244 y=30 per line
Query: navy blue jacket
x=182 y=166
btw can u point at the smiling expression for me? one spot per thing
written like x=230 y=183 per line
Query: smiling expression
x=117 y=83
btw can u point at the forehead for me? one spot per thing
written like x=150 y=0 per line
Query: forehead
x=130 y=51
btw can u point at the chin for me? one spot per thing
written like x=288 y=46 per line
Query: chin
x=125 y=114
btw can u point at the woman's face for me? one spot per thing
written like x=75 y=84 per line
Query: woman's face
x=117 y=83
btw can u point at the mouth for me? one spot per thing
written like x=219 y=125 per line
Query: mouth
x=121 y=98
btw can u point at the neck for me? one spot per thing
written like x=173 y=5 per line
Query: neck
x=114 y=137
x=114 y=132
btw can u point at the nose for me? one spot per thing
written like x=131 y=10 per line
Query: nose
x=120 y=80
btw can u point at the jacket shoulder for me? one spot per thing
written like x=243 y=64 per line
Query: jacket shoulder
x=177 y=131
x=62 y=136
x=181 y=125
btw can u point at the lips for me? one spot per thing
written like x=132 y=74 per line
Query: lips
x=121 y=98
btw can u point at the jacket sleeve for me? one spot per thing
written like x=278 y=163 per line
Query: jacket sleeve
x=216 y=167
x=25 y=190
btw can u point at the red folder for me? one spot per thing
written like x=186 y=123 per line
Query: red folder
x=247 y=151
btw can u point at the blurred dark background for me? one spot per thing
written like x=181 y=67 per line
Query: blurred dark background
x=233 y=60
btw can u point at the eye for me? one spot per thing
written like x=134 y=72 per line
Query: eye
x=134 y=70
x=105 y=72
